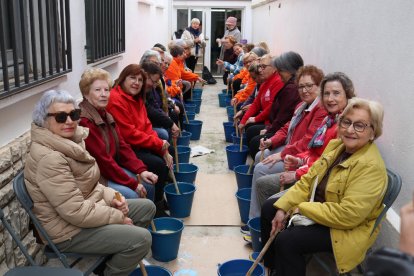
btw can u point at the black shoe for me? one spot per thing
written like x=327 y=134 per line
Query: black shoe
x=245 y=229
x=161 y=214
x=272 y=272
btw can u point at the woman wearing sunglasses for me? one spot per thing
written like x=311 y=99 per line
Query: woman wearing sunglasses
x=80 y=214
x=119 y=166
x=339 y=198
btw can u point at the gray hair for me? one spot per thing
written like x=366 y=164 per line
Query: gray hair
x=288 y=62
x=167 y=57
x=181 y=43
x=195 y=20
x=259 y=51
x=148 y=54
x=48 y=98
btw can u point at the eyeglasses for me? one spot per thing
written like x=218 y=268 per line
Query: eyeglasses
x=306 y=87
x=263 y=66
x=61 y=117
x=358 y=126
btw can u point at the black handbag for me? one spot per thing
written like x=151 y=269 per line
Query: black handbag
x=389 y=262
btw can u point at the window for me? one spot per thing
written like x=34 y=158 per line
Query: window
x=105 y=28
x=35 y=43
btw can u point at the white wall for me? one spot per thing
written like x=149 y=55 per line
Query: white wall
x=370 y=40
x=145 y=25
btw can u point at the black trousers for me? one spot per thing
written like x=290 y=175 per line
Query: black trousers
x=155 y=164
x=253 y=137
x=236 y=85
x=225 y=75
x=191 y=62
x=287 y=252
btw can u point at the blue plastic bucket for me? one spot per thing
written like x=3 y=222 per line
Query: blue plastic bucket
x=230 y=118
x=183 y=154
x=236 y=140
x=187 y=173
x=236 y=157
x=243 y=179
x=197 y=103
x=180 y=204
x=228 y=130
x=190 y=107
x=184 y=139
x=243 y=200
x=222 y=100
x=254 y=226
x=165 y=243
x=230 y=111
x=191 y=115
x=197 y=93
x=239 y=267
x=152 y=270
x=228 y=101
x=194 y=126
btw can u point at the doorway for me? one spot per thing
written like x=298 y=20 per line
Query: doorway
x=218 y=27
x=212 y=25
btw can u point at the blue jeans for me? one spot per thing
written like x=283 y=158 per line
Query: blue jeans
x=162 y=133
x=127 y=192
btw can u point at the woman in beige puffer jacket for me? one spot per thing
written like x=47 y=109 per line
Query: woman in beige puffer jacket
x=80 y=214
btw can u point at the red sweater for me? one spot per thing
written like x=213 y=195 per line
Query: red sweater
x=131 y=116
x=110 y=168
x=260 y=108
x=302 y=133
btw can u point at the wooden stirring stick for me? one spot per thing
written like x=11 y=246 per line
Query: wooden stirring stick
x=176 y=154
x=262 y=152
x=142 y=268
x=241 y=140
x=266 y=247
x=175 y=182
x=249 y=171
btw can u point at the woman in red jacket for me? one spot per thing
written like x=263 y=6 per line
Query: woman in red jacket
x=294 y=136
x=257 y=116
x=117 y=163
x=127 y=105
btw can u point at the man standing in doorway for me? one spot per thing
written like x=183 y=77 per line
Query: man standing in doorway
x=231 y=25
x=232 y=30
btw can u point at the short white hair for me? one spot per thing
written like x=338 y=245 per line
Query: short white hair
x=50 y=97
x=195 y=20
x=148 y=54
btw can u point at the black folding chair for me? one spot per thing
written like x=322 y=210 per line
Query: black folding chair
x=34 y=269
x=393 y=189
x=51 y=251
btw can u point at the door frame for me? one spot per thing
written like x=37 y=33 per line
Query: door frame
x=206 y=21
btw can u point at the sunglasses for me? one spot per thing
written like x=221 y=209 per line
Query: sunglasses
x=61 y=117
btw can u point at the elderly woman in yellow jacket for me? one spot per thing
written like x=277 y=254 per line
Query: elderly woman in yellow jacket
x=339 y=199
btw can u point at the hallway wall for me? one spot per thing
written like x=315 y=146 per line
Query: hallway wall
x=372 y=42
x=142 y=18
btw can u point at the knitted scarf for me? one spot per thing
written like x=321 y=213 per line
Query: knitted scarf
x=297 y=117
x=319 y=137
x=195 y=33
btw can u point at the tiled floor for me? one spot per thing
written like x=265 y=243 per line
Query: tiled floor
x=212 y=233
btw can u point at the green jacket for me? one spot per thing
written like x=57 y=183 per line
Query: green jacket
x=353 y=200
